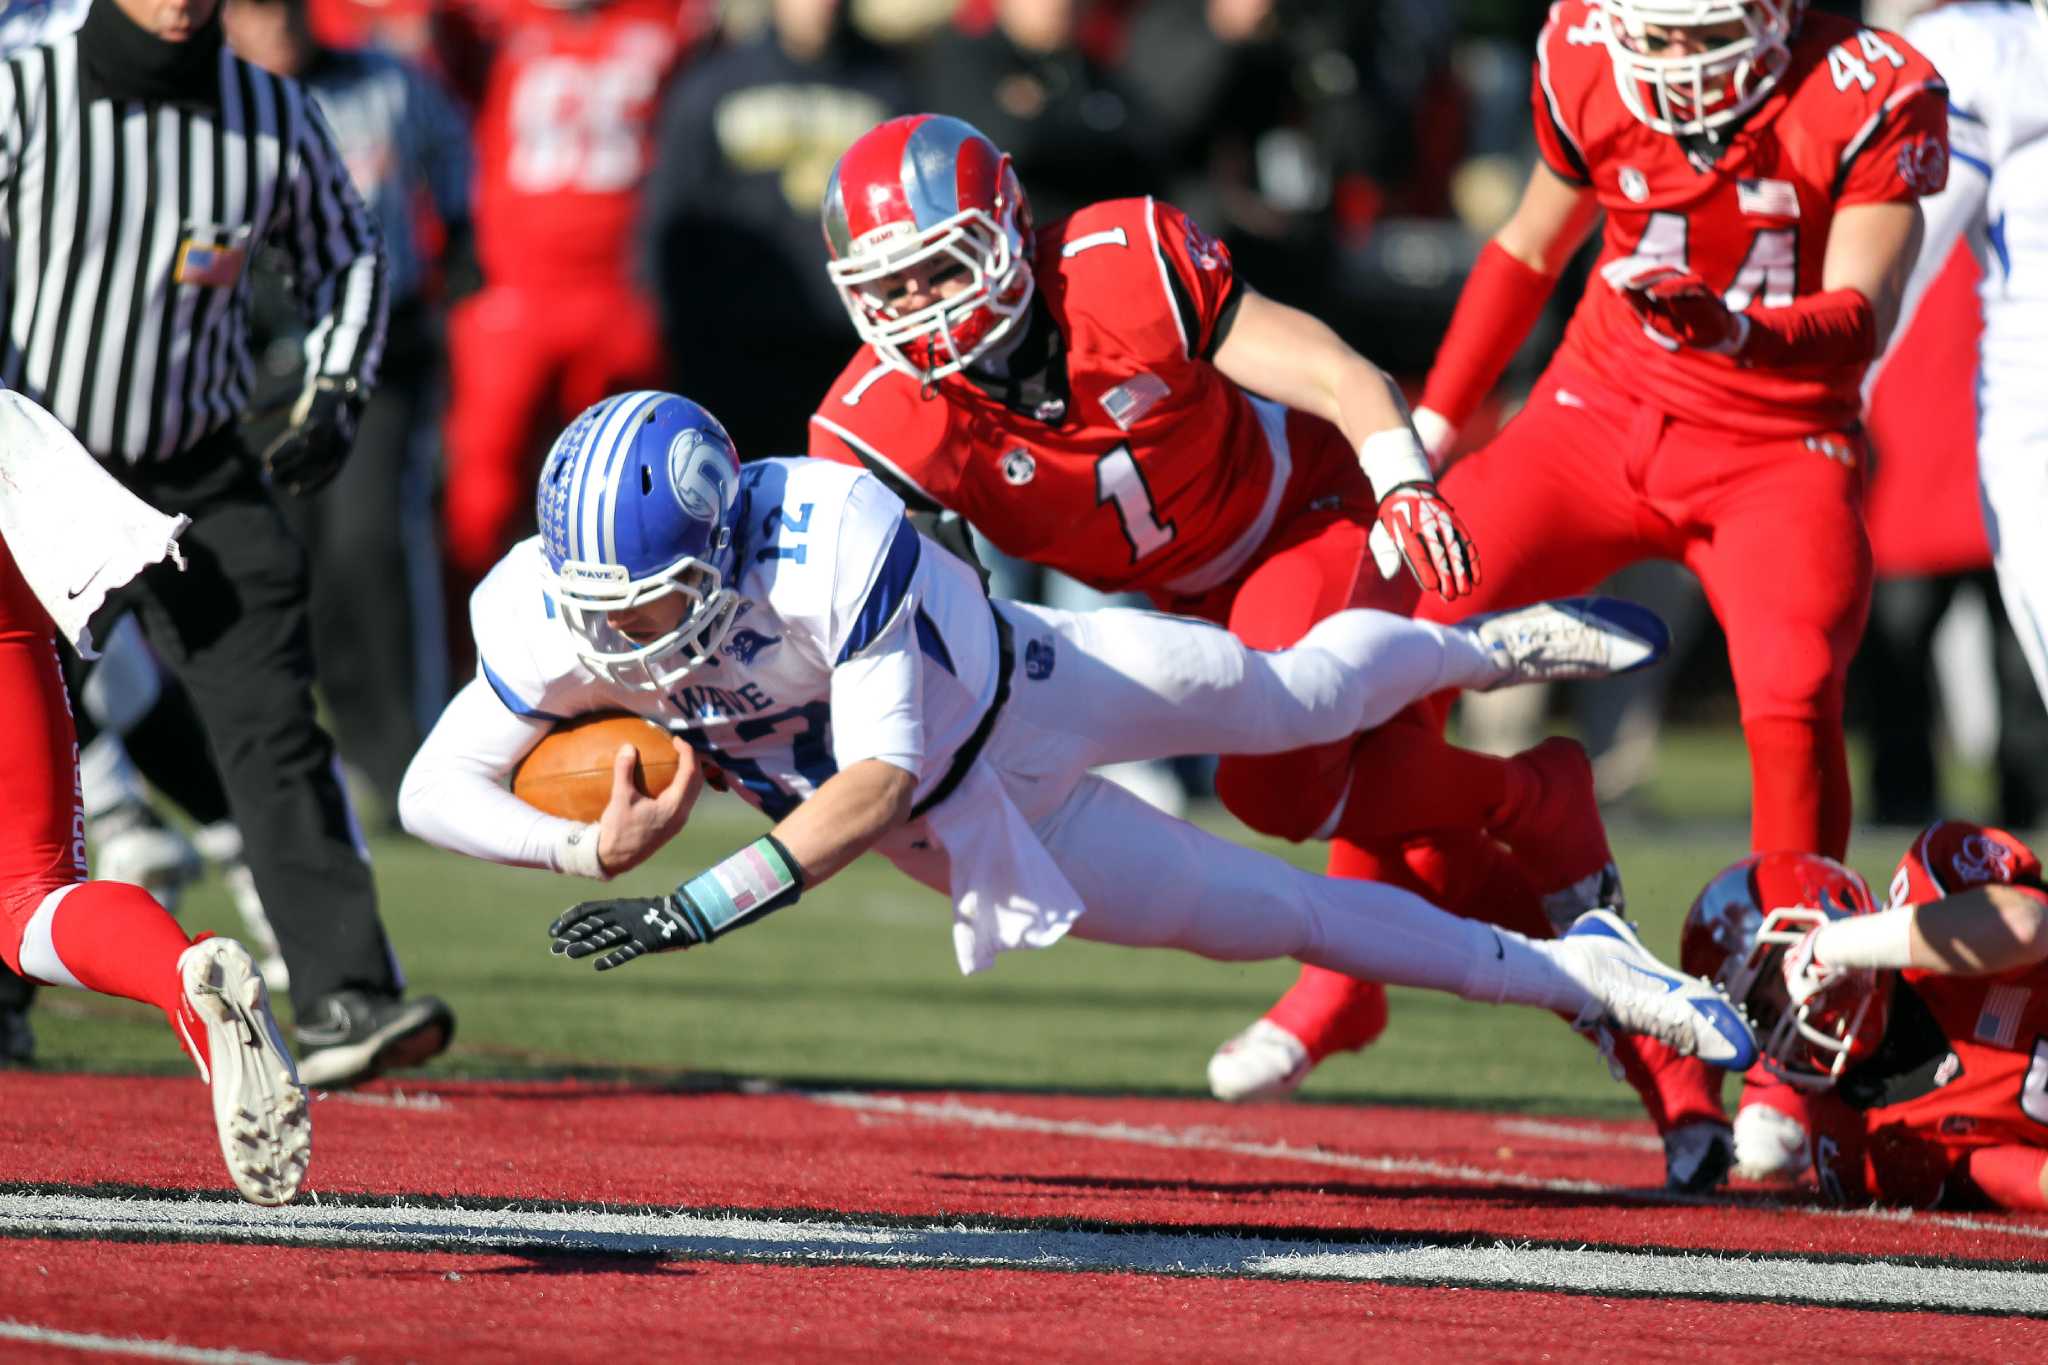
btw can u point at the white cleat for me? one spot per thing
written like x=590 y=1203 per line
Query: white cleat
x=1639 y=994
x=259 y=1107
x=1770 y=1145
x=1697 y=1156
x=1264 y=1062
x=1572 y=637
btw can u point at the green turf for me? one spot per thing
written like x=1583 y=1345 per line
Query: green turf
x=858 y=982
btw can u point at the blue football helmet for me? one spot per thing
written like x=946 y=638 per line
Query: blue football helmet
x=636 y=504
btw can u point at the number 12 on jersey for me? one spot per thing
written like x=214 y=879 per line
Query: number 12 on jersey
x=1118 y=480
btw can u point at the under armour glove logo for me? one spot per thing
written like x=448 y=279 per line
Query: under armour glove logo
x=310 y=453
x=623 y=930
x=1419 y=529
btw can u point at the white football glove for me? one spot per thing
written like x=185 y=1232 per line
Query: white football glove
x=1770 y=1145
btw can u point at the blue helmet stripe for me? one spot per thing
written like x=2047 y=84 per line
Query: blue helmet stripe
x=615 y=444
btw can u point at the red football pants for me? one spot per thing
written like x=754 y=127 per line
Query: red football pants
x=521 y=363
x=107 y=935
x=1587 y=479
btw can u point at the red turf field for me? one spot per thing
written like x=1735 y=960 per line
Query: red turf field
x=556 y=1221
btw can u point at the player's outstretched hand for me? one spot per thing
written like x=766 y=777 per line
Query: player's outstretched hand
x=633 y=826
x=623 y=930
x=311 y=451
x=1419 y=527
x=1681 y=308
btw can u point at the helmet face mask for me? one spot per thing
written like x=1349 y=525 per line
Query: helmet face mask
x=923 y=199
x=1746 y=50
x=636 y=505
x=1740 y=934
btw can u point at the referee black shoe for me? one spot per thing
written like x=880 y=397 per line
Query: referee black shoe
x=349 y=1037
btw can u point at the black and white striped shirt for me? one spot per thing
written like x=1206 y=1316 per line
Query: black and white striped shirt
x=127 y=229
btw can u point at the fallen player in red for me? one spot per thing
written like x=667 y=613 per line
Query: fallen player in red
x=1908 y=1045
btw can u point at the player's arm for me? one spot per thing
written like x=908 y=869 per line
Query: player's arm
x=1985 y=931
x=1297 y=360
x=454 y=795
x=1503 y=297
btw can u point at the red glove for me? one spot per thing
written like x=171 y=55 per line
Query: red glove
x=1420 y=526
x=1680 y=308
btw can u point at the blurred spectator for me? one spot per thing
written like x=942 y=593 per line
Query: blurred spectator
x=731 y=241
x=376 y=611
x=1018 y=71
x=566 y=105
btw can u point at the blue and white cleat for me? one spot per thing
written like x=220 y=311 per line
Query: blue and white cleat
x=1639 y=994
x=1572 y=637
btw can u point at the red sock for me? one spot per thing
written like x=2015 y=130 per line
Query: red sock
x=117 y=940
x=1406 y=777
x=1675 y=1090
x=1799 y=785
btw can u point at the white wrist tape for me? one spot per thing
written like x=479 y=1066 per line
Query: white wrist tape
x=1882 y=940
x=576 y=852
x=1436 y=432
x=1392 y=458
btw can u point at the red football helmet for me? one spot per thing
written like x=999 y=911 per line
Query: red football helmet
x=1685 y=93
x=1956 y=855
x=929 y=195
x=1739 y=934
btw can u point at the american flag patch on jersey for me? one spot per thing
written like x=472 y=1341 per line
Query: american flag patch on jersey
x=1767 y=198
x=1998 y=1023
x=1133 y=398
x=208 y=264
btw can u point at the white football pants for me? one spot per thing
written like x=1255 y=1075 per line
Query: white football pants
x=1116 y=685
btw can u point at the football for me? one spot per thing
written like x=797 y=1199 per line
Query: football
x=569 y=773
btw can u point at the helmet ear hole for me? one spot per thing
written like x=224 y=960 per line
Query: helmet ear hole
x=646 y=481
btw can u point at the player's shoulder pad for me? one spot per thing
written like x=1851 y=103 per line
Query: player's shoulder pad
x=1138 y=271
x=1848 y=75
x=1572 y=64
x=878 y=417
x=816 y=537
x=523 y=648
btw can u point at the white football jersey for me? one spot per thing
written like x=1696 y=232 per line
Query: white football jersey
x=1995 y=59
x=856 y=639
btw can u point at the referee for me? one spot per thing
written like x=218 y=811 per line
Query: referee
x=141 y=166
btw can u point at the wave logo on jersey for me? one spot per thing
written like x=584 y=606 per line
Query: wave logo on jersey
x=1039 y=659
x=1923 y=165
x=1204 y=250
x=745 y=644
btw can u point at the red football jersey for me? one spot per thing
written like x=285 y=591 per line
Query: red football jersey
x=1139 y=465
x=565 y=132
x=1859 y=117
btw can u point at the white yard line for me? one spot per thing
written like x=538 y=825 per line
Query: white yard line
x=94 y=1343
x=952 y=1111
x=682 y=1234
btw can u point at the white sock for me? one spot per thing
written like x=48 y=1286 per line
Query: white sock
x=1513 y=970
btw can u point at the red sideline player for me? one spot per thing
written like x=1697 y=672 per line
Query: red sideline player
x=564 y=138
x=1759 y=169
x=60 y=929
x=1083 y=394
x=1907 y=1047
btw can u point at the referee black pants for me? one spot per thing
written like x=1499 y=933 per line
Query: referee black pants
x=232 y=627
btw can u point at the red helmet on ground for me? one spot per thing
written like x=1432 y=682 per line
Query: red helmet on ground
x=1955 y=855
x=1738 y=935
x=929 y=195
